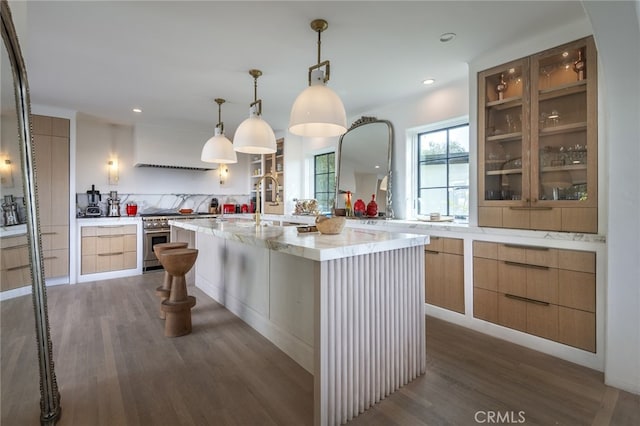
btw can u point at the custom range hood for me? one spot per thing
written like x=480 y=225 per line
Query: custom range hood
x=168 y=147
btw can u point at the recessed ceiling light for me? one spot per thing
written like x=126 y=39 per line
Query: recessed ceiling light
x=428 y=81
x=447 y=37
x=565 y=54
x=137 y=110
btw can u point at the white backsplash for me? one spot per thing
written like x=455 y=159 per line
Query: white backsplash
x=151 y=203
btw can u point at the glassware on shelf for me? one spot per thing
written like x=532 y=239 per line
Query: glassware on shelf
x=579 y=66
x=546 y=71
x=501 y=87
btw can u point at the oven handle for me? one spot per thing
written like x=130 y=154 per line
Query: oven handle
x=159 y=231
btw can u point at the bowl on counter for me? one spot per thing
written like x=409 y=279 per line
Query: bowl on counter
x=330 y=225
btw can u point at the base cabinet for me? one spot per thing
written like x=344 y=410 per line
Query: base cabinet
x=108 y=248
x=15 y=270
x=444 y=273
x=542 y=291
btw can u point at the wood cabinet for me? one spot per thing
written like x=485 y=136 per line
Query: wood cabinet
x=51 y=144
x=15 y=269
x=537 y=141
x=444 y=273
x=543 y=291
x=272 y=196
x=108 y=248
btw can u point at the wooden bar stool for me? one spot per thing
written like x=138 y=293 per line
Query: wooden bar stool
x=163 y=291
x=177 y=308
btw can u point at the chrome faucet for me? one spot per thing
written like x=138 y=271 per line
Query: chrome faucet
x=275 y=181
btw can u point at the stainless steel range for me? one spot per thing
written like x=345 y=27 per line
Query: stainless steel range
x=156 y=230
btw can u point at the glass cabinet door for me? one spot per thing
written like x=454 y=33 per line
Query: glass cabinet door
x=563 y=131
x=504 y=140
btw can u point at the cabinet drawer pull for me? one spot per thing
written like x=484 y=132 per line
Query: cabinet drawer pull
x=15 y=247
x=432 y=252
x=111 y=254
x=15 y=268
x=110 y=236
x=49 y=233
x=520 y=246
x=434 y=238
x=525 y=265
x=110 y=226
x=526 y=299
x=531 y=208
x=50 y=258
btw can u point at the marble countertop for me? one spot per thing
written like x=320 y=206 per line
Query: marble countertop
x=106 y=221
x=313 y=245
x=9 y=231
x=450 y=229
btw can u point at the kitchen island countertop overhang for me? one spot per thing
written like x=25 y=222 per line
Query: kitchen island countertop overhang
x=312 y=245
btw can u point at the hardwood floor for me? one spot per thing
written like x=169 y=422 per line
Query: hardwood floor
x=115 y=367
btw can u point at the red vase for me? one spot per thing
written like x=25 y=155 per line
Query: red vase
x=372 y=207
x=359 y=208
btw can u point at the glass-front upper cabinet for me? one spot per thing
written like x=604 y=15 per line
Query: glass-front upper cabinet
x=538 y=141
x=504 y=136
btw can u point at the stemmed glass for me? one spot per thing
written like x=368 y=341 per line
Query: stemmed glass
x=547 y=70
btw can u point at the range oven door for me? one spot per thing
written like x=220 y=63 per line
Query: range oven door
x=151 y=238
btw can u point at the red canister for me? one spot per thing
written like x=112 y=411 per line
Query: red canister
x=132 y=209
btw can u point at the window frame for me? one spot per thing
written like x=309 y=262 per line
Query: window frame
x=448 y=159
x=330 y=191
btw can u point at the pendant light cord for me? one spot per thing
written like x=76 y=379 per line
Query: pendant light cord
x=220 y=124
x=255 y=74
x=319 y=43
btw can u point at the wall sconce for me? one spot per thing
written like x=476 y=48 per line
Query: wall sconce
x=6 y=173
x=224 y=173
x=113 y=172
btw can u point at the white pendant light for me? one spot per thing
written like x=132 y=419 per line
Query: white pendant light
x=219 y=149
x=254 y=135
x=318 y=110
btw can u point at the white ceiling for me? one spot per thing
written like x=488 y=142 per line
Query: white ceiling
x=172 y=58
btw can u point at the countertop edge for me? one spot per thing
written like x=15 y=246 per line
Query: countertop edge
x=312 y=246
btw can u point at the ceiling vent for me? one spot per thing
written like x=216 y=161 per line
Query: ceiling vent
x=160 y=166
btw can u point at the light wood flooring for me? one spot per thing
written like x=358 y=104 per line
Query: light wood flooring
x=115 y=367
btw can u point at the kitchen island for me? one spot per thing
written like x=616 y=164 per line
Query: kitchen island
x=347 y=307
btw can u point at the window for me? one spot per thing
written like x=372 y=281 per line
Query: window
x=324 y=172
x=443 y=172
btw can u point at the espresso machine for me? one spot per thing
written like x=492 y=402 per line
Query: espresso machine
x=10 y=211
x=114 y=204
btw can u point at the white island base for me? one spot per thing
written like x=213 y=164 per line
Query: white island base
x=351 y=314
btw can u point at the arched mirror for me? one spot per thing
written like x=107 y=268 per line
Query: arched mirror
x=364 y=165
x=18 y=181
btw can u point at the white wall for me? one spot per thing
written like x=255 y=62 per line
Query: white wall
x=617 y=35
x=99 y=141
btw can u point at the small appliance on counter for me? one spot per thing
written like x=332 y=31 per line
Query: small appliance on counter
x=93 y=209
x=114 y=204
x=214 y=207
x=10 y=211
